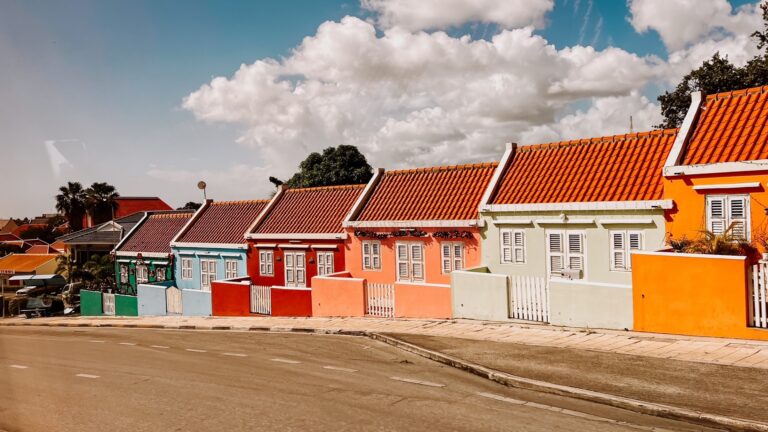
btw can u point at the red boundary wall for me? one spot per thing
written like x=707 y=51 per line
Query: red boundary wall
x=291 y=302
x=231 y=298
x=338 y=295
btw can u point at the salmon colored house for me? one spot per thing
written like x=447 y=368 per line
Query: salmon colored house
x=408 y=231
x=297 y=236
x=717 y=175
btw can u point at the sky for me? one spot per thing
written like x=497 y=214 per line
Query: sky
x=153 y=96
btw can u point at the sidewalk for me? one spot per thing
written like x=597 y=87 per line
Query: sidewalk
x=732 y=352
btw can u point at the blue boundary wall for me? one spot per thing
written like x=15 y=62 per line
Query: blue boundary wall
x=151 y=298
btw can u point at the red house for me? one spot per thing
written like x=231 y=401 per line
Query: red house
x=130 y=205
x=297 y=236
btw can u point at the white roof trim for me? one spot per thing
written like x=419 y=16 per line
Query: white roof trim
x=423 y=284
x=191 y=220
x=125 y=237
x=512 y=222
x=749 y=185
x=265 y=245
x=143 y=254
x=360 y=203
x=717 y=168
x=300 y=236
x=676 y=153
x=565 y=221
x=329 y=247
x=508 y=155
x=416 y=224
x=265 y=211
x=210 y=245
x=468 y=272
x=292 y=288
x=594 y=205
x=292 y=246
x=690 y=255
x=586 y=282
x=636 y=221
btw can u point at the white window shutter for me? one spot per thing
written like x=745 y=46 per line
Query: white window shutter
x=716 y=214
x=556 y=256
x=403 y=272
x=446 y=256
x=618 y=259
x=458 y=256
x=519 y=246
x=575 y=251
x=737 y=212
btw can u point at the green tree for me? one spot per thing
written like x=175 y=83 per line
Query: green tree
x=714 y=76
x=340 y=165
x=191 y=205
x=70 y=202
x=100 y=271
x=101 y=202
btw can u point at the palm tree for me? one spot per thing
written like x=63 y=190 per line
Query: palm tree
x=101 y=269
x=71 y=203
x=101 y=202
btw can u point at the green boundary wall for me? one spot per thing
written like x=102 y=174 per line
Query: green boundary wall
x=126 y=305
x=90 y=303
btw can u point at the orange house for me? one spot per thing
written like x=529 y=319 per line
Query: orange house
x=407 y=232
x=717 y=175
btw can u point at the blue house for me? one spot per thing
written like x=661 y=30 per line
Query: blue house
x=210 y=247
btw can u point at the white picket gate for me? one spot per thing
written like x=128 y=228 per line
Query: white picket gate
x=108 y=304
x=529 y=298
x=261 y=299
x=380 y=300
x=758 y=299
x=173 y=302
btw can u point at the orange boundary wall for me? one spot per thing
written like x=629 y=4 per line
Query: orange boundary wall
x=423 y=301
x=231 y=298
x=698 y=295
x=291 y=302
x=338 y=295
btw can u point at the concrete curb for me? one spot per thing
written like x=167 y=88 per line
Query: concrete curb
x=658 y=410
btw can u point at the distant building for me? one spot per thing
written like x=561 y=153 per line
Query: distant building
x=127 y=206
x=7 y=226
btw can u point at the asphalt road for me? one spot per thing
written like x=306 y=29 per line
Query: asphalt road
x=157 y=380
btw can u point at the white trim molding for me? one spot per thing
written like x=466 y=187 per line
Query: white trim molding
x=586 y=282
x=300 y=236
x=364 y=195
x=265 y=211
x=719 y=187
x=565 y=221
x=717 y=168
x=627 y=221
x=265 y=245
x=210 y=245
x=292 y=246
x=676 y=153
x=404 y=282
x=593 y=205
x=128 y=235
x=490 y=190
x=470 y=223
x=191 y=221
x=690 y=255
x=326 y=247
x=143 y=254
x=512 y=222
x=291 y=288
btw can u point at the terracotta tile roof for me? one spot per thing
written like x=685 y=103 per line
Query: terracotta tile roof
x=8 y=237
x=41 y=249
x=224 y=222
x=732 y=127
x=154 y=235
x=319 y=210
x=613 y=168
x=23 y=263
x=436 y=193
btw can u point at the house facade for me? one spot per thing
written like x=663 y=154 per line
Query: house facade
x=562 y=221
x=126 y=206
x=144 y=255
x=99 y=240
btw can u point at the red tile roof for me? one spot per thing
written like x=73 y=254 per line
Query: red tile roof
x=41 y=249
x=23 y=263
x=8 y=237
x=19 y=231
x=224 y=222
x=130 y=205
x=613 y=168
x=319 y=210
x=732 y=127
x=437 y=193
x=154 y=235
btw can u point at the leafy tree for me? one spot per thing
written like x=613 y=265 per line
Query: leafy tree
x=101 y=202
x=340 y=165
x=21 y=221
x=6 y=249
x=714 y=76
x=99 y=270
x=191 y=205
x=70 y=202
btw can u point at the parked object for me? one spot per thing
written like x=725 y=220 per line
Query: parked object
x=41 y=295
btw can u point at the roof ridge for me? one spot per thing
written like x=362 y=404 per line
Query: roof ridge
x=239 y=202
x=596 y=140
x=317 y=188
x=444 y=168
x=175 y=215
x=737 y=93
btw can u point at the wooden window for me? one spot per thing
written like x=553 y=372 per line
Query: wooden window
x=565 y=252
x=512 y=246
x=160 y=274
x=231 y=269
x=623 y=243
x=452 y=256
x=123 y=274
x=371 y=255
x=324 y=263
x=410 y=261
x=186 y=268
x=266 y=263
x=207 y=274
x=142 y=274
x=295 y=269
x=724 y=211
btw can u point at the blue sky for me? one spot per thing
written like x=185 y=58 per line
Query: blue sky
x=106 y=81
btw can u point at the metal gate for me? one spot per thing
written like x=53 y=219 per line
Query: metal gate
x=261 y=299
x=758 y=298
x=529 y=298
x=173 y=303
x=380 y=300
x=108 y=304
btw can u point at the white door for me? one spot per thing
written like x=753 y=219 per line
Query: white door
x=173 y=303
x=207 y=274
x=295 y=269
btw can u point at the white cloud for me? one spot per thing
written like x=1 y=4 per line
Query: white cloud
x=681 y=23
x=442 y=14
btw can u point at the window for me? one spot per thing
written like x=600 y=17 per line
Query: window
x=453 y=256
x=324 y=263
x=565 y=253
x=410 y=261
x=371 y=255
x=207 y=274
x=186 y=268
x=266 y=263
x=160 y=274
x=231 y=269
x=295 y=269
x=622 y=244
x=123 y=274
x=142 y=274
x=726 y=210
x=512 y=246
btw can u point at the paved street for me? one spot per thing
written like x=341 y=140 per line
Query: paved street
x=94 y=379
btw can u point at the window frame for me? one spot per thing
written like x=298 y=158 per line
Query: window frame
x=727 y=218
x=295 y=268
x=512 y=247
x=374 y=258
x=324 y=261
x=205 y=271
x=186 y=271
x=124 y=279
x=230 y=273
x=451 y=258
x=266 y=262
x=566 y=253
x=410 y=263
x=626 y=249
x=142 y=274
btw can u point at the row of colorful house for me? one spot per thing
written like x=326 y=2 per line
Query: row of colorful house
x=572 y=233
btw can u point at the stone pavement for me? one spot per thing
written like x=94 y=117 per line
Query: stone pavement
x=734 y=352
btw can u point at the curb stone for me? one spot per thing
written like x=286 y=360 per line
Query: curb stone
x=657 y=410
x=648 y=408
